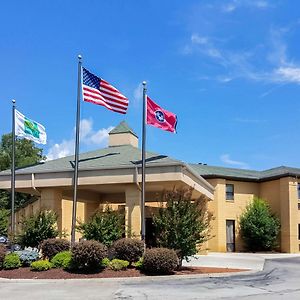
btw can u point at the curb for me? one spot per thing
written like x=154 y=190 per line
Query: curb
x=133 y=279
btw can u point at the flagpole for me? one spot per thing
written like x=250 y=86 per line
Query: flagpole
x=143 y=224
x=13 y=175
x=75 y=182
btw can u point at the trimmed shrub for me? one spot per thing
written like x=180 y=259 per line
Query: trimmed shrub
x=160 y=261
x=62 y=260
x=105 y=262
x=41 y=265
x=51 y=247
x=38 y=227
x=104 y=226
x=27 y=256
x=11 y=261
x=259 y=227
x=118 y=264
x=2 y=254
x=128 y=249
x=88 y=255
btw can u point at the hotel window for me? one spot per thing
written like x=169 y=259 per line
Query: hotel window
x=299 y=191
x=229 y=191
x=299 y=232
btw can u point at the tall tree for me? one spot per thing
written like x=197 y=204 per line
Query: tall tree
x=182 y=223
x=26 y=154
x=259 y=226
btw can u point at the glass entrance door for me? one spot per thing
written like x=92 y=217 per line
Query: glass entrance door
x=230 y=235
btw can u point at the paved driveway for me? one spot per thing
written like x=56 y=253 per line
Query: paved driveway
x=280 y=279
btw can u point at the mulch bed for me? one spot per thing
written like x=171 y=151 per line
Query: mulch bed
x=25 y=273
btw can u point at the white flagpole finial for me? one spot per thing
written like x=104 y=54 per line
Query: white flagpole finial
x=13 y=101
x=144 y=83
x=79 y=56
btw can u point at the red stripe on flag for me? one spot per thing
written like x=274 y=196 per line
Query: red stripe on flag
x=113 y=103
x=105 y=105
x=102 y=95
x=115 y=94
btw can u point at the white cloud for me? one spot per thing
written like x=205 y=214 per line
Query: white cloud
x=235 y=4
x=288 y=74
x=273 y=89
x=278 y=66
x=225 y=158
x=230 y=7
x=85 y=128
x=204 y=45
x=225 y=79
x=99 y=137
x=88 y=137
x=196 y=39
x=260 y=4
x=65 y=148
x=277 y=55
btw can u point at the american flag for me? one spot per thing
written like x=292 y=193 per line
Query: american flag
x=98 y=91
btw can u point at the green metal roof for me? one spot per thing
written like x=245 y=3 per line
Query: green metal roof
x=110 y=157
x=241 y=174
x=122 y=128
x=128 y=156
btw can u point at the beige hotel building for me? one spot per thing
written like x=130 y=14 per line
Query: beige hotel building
x=112 y=176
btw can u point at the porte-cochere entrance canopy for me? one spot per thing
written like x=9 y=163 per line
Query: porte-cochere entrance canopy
x=106 y=176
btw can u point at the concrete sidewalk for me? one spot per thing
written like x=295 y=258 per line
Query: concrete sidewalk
x=250 y=261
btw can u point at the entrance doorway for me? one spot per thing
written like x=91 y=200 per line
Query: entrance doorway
x=150 y=233
x=230 y=235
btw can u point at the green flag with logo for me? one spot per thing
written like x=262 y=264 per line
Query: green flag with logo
x=29 y=129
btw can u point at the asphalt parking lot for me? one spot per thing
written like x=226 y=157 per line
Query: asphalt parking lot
x=280 y=279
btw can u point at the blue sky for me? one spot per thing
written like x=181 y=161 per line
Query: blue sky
x=229 y=69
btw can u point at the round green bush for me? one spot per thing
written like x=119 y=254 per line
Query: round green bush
x=105 y=262
x=62 y=260
x=160 y=261
x=128 y=249
x=88 y=255
x=51 y=247
x=118 y=264
x=11 y=261
x=139 y=264
x=2 y=255
x=41 y=265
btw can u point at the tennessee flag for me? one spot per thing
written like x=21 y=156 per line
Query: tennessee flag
x=159 y=117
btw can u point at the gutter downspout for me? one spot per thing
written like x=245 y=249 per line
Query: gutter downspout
x=135 y=178
x=33 y=185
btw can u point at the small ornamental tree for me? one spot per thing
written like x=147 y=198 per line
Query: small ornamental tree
x=259 y=227
x=38 y=227
x=104 y=226
x=182 y=224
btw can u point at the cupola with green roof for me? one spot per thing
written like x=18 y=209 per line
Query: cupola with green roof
x=122 y=135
